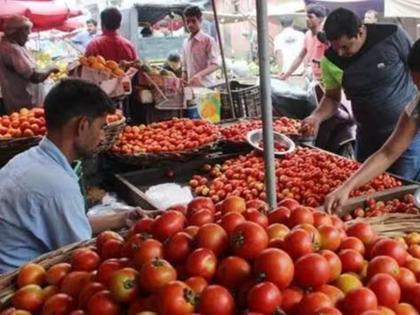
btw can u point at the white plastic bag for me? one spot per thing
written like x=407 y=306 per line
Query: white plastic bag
x=165 y=195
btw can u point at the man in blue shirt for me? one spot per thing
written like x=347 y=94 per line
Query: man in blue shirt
x=82 y=39
x=41 y=205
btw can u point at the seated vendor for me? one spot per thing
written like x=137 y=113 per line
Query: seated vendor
x=173 y=64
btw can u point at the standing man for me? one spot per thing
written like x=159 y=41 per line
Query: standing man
x=20 y=81
x=287 y=45
x=370 y=63
x=83 y=38
x=199 y=52
x=110 y=45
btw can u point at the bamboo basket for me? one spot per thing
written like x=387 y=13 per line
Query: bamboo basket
x=112 y=131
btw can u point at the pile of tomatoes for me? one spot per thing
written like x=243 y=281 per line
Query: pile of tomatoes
x=22 y=124
x=306 y=175
x=175 y=135
x=117 y=116
x=237 y=132
x=229 y=258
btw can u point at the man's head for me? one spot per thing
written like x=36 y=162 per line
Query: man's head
x=413 y=62
x=91 y=26
x=371 y=17
x=286 y=21
x=315 y=15
x=345 y=31
x=111 y=19
x=193 y=19
x=18 y=28
x=174 y=60
x=75 y=111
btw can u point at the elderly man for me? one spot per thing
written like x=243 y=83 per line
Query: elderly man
x=19 y=78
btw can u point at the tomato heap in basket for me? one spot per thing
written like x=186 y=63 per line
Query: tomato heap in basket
x=278 y=146
x=237 y=132
x=22 y=124
x=175 y=135
x=117 y=116
x=226 y=259
x=306 y=175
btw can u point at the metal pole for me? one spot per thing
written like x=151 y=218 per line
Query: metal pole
x=222 y=54
x=267 y=114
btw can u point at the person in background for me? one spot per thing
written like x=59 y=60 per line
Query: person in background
x=20 y=80
x=406 y=130
x=82 y=39
x=287 y=45
x=200 y=55
x=110 y=45
x=313 y=49
x=173 y=63
x=146 y=31
x=371 y=17
x=41 y=205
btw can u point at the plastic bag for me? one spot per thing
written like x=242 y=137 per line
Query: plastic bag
x=165 y=195
x=110 y=204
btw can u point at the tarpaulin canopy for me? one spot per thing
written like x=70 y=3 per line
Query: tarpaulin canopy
x=358 y=6
x=402 y=8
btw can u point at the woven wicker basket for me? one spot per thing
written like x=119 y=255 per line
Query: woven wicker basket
x=112 y=131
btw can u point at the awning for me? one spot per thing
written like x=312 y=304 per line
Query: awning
x=402 y=8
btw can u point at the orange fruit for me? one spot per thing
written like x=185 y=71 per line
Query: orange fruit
x=98 y=66
x=100 y=59
x=111 y=64
x=92 y=60
x=118 y=72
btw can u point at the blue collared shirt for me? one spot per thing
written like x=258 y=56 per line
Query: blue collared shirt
x=41 y=205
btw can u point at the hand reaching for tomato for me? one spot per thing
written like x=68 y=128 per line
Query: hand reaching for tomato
x=310 y=126
x=336 y=199
x=132 y=216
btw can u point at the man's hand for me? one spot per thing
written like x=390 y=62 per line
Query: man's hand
x=196 y=80
x=310 y=126
x=132 y=216
x=336 y=199
x=283 y=76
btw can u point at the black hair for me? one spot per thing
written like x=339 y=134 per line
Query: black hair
x=174 y=57
x=413 y=59
x=92 y=21
x=286 y=21
x=193 y=11
x=146 y=31
x=111 y=19
x=71 y=98
x=317 y=9
x=342 y=22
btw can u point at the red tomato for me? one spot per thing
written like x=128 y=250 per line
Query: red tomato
x=233 y=271
x=199 y=203
x=414 y=250
x=59 y=304
x=179 y=207
x=202 y=262
x=88 y=291
x=102 y=304
x=413 y=295
x=383 y=264
x=248 y=240
x=107 y=268
x=197 y=284
x=405 y=309
x=143 y=225
x=352 y=242
x=176 y=298
x=392 y=248
x=177 y=248
x=155 y=274
x=288 y=203
x=147 y=250
x=112 y=249
x=192 y=230
x=123 y=285
x=168 y=224
x=146 y=305
x=231 y=220
x=201 y=217
x=321 y=218
x=279 y=215
x=74 y=281
x=213 y=237
x=276 y=266
x=277 y=231
x=225 y=304
x=313 y=302
x=260 y=205
x=298 y=243
x=312 y=270
x=359 y=300
x=233 y=204
x=29 y=298
x=334 y=293
x=351 y=260
x=264 y=297
x=406 y=278
x=386 y=289
x=85 y=259
x=104 y=237
x=330 y=237
x=328 y=311
x=131 y=246
x=362 y=231
x=300 y=215
x=291 y=299
x=254 y=215
x=334 y=262
x=31 y=274
x=56 y=273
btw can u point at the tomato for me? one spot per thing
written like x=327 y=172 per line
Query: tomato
x=88 y=291
x=147 y=250
x=334 y=293
x=197 y=284
x=29 y=298
x=337 y=222
x=414 y=250
x=254 y=215
x=291 y=297
x=73 y=282
x=386 y=289
x=201 y=262
x=362 y=231
x=231 y=220
x=321 y=218
x=406 y=278
x=359 y=300
x=176 y=298
x=225 y=304
x=248 y=240
x=328 y=311
x=59 y=304
x=313 y=302
x=413 y=295
x=101 y=303
x=168 y=224
x=233 y=271
x=132 y=243
x=405 y=309
x=49 y=291
x=144 y=225
x=192 y=230
x=351 y=260
x=84 y=259
x=199 y=203
x=179 y=207
x=147 y=305
x=383 y=264
x=264 y=297
x=56 y=273
x=123 y=285
x=298 y=243
x=279 y=215
x=392 y=248
x=257 y=204
x=334 y=262
x=155 y=274
x=300 y=215
x=351 y=242
x=213 y=237
x=413 y=264
x=177 y=248
x=347 y=282
x=106 y=236
x=233 y=204
x=312 y=270
x=276 y=266
x=201 y=217
x=288 y=203
x=112 y=249
x=107 y=268
x=31 y=274
x=330 y=237
x=277 y=231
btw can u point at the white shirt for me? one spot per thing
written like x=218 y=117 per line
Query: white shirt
x=290 y=42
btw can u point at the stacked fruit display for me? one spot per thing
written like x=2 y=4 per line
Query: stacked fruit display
x=99 y=63
x=23 y=124
x=117 y=116
x=237 y=132
x=229 y=258
x=306 y=175
x=175 y=135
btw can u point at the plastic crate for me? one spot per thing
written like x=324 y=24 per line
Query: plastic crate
x=246 y=100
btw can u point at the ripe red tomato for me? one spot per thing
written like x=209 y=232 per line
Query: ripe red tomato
x=179 y=207
x=29 y=298
x=177 y=248
x=406 y=278
x=192 y=230
x=85 y=259
x=144 y=306
x=233 y=204
x=383 y=264
x=405 y=309
x=105 y=236
x=254 y=215
x=413 y=295
x=359 y=300
x=107 y=268
x=277 y=231
x=233 y=271
x=279 y=215
x=59 y=304
x=351 y=260
x=202 y=262
x=155 y=274
x=88 y=291
x=351 y=242
x=334 y=293
x=197 y=284
x=73 y=282
x=312 y=270
x=386 y=289
x=133 y=243
x=330 y=237
x=276 y=266
x=168 y=224
x=313 y=302
x=56 y=273
x=225 y=303
x=147 y=250
x=288 y=203
x=298 y=243
x=362 y=231
x=328 y=311
x=264 y=297
x=321 y=218
x=176 y=298
x=213 y=237
x=291 y=298
x=231 y=220
x=300 y=215
x=334 y=262
x=201 y=217
x=260 y=205
x=392 y=248
x=248 y=240
x=31 y=274
x=144 y=225
x=199 y=203
x=123 y=285
x=101 y=303
x=112 y=249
